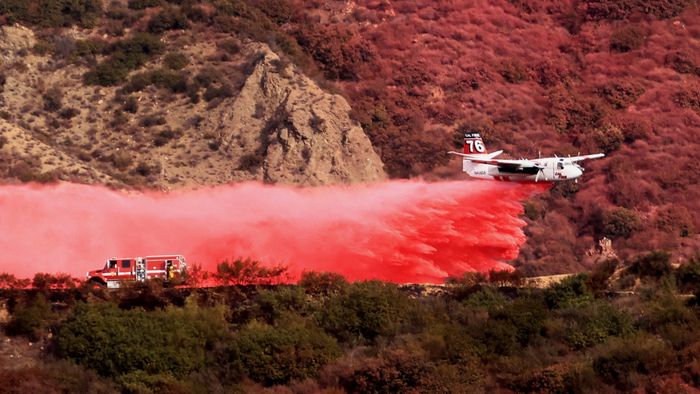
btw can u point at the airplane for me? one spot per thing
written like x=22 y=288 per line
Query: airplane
x=478 y=163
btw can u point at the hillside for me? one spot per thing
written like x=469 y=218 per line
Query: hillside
x=242 y=115
x=535 y=77
x=169 y=94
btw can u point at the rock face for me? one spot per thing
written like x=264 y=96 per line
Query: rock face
x=286 y=129
x=275 y=125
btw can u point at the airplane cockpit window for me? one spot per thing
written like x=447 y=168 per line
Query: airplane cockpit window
x=560 y=165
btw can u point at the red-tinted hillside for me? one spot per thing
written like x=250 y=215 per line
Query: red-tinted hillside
x=549 y=76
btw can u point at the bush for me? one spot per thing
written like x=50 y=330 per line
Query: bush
x=126 y=55
x=638 y=355
x=276 y=354
x=53 y=99
x=619 y=223
x=53 y=376
x=339 y=50
x=571 y=292
x=54 y=13
x=627 y=38
x=115 y=342
x=595 y=323
x=609 y=138
x=131 y=105
x=143 y=4
x=31 y=318
x=250 y=162
x=655 y=264
x=176 y=61
x=247 y=271
x=69 y=113
x=169 y=18
x=523 y=318
x=224 y=91
x=688 y=99
x=164 y=136
x=365 y=311
x=513 y=71
x=623 y=9
x=620 y=94
x=682 y=62
x=688 y=275
x=322 y=283
x=392 y=372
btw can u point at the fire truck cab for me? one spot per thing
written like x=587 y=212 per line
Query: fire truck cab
x=119 y=270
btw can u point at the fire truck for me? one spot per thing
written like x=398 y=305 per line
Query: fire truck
x=120 y=270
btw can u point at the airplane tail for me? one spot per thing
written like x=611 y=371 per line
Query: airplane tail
x=474 y=147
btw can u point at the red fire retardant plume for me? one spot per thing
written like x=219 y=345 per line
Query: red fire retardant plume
x=400 y=231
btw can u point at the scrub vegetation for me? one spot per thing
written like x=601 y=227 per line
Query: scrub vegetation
x=626 y=326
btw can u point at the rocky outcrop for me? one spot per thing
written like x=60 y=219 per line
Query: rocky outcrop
x=285 y=129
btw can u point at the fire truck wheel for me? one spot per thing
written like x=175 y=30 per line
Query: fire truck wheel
x=95 y=283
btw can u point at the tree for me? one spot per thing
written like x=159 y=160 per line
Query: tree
x=247 y=271
x=619 y=223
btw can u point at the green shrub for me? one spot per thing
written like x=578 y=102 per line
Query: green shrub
x=53 y=13
x=31 y=318
x=392 y=372
x=595 y=323
x=126 y=55
x=276 y=354
x=626 y=358
x=487 y=298
x=169 y=18
x=176 y=61
x=571 y=292
x=143 y=4
x=655 y=264
x=53 y=99
x=525 y=316
x=247 y=271
x=142 y=382
x=115 y=342
x=322 y=283
x=687 y=275
x=365 y=311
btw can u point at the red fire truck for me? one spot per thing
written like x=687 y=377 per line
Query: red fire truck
x=119 y=270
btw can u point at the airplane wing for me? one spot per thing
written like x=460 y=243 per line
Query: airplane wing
x=586 y=157
x=510 y=164
x=486 y=156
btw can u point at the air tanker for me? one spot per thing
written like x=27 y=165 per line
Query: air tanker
x=478 y=163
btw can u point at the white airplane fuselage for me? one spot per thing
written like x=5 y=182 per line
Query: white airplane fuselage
x=552 y=169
